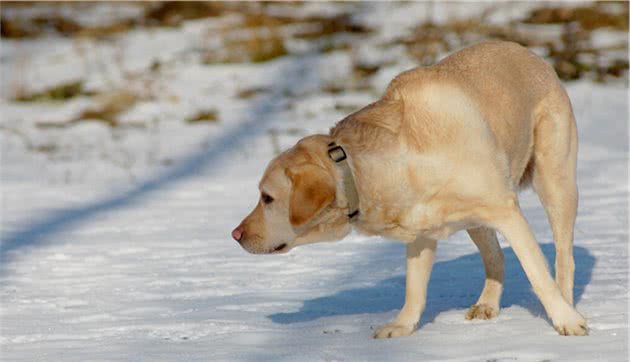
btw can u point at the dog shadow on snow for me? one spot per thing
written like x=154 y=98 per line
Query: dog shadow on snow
x=454 y=284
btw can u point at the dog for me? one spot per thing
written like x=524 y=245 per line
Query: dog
x=446 y=148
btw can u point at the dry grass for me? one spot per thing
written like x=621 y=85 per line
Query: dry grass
x=330 y=45
x=257 y=48
x=204 y=116
x=256 y=38
x=250 y=92
x=566 y=52
x=166 y=14
x=429 y=41
x=268 y=34
x=589 y=17
x=322 y=26
x=365 y=70
x=257 y=18
x=347 y=85
x=262 y=35
x=18 y=28
x=269 y=30
x=59 y=92
x=173 y=13
x=108 y=107
x=347 y=108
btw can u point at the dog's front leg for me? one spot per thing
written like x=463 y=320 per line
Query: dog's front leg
x=420 y=255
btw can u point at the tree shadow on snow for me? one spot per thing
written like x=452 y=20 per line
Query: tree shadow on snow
x=258 y=117
x=454 y=284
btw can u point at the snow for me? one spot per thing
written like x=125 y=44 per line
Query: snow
x=116 y=245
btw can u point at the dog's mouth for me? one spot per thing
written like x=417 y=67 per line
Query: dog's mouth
x=280 y=248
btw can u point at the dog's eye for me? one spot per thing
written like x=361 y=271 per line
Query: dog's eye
x=266 y=199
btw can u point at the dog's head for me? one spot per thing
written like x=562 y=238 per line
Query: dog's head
x=297 y=203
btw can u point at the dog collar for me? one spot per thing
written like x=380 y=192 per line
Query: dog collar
x=337 y=154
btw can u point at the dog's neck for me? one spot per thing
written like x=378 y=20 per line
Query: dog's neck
x=341 y=160
x=371 y=139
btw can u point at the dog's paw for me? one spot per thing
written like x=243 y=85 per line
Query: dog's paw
x=481 y=311
x=393 y=330
x=573 y=325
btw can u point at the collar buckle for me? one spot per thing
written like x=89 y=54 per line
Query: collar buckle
x=336 y=153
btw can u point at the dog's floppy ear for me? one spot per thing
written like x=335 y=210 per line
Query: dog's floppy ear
x=313 y=189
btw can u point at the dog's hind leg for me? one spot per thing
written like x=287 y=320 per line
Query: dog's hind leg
x=510 y=222
x=420 y=255
x=554 y=179
x=487 y=305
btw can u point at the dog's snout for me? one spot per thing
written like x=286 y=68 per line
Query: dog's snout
x=237 y=234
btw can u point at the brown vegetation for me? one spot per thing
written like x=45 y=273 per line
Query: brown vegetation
x=250 y=92
x=429 y=41
x=59 y=92
x=204 y=116
x=589 y=17
x=257 y=48
x=109 y=106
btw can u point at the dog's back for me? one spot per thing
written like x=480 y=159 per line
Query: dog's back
x=510 y=87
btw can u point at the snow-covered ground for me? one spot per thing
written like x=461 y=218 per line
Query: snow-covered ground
x=115 y=240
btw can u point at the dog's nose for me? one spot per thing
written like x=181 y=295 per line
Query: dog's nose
x=237 y=234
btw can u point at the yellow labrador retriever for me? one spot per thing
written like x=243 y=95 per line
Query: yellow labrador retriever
x=446 y=148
